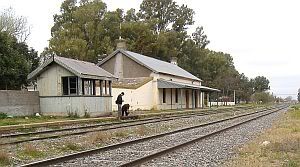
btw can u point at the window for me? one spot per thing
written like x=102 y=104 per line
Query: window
x=69 y=85
x=164 y=95
x=176 y=95
x=88 y=87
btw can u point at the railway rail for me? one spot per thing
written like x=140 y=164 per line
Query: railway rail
x=138 y=151
x=34 y=136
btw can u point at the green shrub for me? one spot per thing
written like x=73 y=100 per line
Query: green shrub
x=3 y=115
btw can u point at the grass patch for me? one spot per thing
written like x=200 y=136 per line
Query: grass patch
x=99 y=137
x=67 y=146
x=4 y=159
x=32 y=119
x=142 y=130
x=282 y=148
x=121 y=134
x=30 y=152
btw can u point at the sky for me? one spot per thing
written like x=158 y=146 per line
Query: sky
x=262 y=36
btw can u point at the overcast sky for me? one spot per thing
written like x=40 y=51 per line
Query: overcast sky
x=261 y=35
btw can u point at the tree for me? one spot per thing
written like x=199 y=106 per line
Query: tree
x=260 y=84
x=16 y=61
x=262 y=97
x=163 y=14
x=200 y=38
x=14 y=25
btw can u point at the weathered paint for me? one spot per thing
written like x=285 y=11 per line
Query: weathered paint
x=62 y=105
x=19 y=103
x=124 y=67
x=49 y=83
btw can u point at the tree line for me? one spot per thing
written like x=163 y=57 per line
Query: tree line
x=87 y=30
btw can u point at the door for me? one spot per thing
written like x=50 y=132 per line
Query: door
x=187 y=99
x=196 y=98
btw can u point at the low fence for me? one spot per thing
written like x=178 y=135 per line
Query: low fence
x=19 y=102
x=231 y=103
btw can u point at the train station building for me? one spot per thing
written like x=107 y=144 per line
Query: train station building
x=152 y=84
x=67 y=86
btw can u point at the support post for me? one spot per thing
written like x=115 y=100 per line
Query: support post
x=181 y=97
x=101 y=87
x=109 y=85
x=207 y=97
x=171 y=99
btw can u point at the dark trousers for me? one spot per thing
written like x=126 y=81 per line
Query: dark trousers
x=119 y=110
x=124 y=113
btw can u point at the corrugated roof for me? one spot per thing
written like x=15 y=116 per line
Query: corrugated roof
x=173 y=84
x=80 y=68
x=160 y=66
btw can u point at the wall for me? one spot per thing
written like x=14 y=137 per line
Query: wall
x=124 y=67
x=131 y=69
x=49 y=83
x=61 y=106
x=138 y=99
x=19 y=103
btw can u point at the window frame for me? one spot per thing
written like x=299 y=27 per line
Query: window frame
x=69 y=85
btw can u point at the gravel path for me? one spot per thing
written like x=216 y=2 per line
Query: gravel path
x=116 y=157
x=216 y=150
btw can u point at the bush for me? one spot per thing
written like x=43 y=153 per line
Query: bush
x=3 y=115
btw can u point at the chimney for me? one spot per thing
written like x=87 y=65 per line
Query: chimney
x=174 y=60
x=121 y=44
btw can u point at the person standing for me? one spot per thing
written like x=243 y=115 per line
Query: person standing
x=119 y=102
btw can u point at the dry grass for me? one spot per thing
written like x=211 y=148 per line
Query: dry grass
x=99 y=137
x=142 y=130
x=29 y=151
x=283 y=149
x=4 y=159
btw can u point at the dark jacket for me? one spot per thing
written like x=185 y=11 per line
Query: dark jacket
x=119 y=99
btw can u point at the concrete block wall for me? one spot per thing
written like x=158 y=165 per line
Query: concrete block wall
x=19 y=102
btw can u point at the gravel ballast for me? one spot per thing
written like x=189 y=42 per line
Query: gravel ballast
x=216 y=150
x=190 y=156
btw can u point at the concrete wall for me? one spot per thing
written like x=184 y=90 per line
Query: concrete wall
x=19 y=103
x=61 y=106
x=49 y=83
x=138 y=99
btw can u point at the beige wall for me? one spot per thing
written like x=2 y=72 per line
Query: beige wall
x=109 y=65
x=133 y=69
x=49 y=83
x=129 y=69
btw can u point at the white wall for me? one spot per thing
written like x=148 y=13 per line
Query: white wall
x=138 y=99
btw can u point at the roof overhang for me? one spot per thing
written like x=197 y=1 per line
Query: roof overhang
x=173 y=84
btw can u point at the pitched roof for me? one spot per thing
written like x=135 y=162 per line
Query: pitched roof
x=154 y=65
x=81 y=69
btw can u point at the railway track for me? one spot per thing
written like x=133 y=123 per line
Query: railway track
x=145 y=149
x=35 y=136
